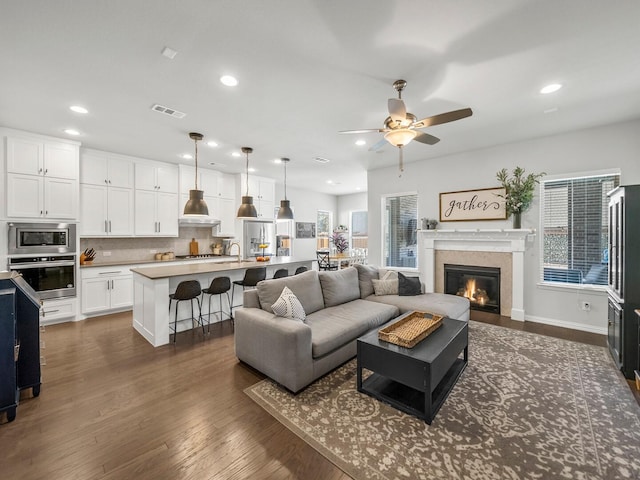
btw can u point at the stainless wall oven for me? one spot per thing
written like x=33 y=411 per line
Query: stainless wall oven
x=52 y=276
x=41 y=238
x=45 y=255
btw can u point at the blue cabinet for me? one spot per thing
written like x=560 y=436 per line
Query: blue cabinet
x=8 y=378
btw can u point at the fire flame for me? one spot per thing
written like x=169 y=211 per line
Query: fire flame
x=472 y=293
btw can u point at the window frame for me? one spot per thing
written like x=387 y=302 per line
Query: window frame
x=383 y=230
x=351 y=229
x=328 y=236
x=563 y=286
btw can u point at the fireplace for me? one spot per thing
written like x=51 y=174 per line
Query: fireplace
x=481 y=285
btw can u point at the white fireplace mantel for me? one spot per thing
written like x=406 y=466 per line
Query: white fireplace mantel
x=512 y=241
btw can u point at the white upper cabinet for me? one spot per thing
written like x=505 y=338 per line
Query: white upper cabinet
x=42 y=178
x=263 y=191
x=101 y=168
x=208 y=180
x=31 y=156
x=158 y=177
x=106 y=193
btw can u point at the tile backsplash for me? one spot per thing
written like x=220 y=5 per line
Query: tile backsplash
x=140 y=249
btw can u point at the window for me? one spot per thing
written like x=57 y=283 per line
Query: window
x=574 y=229
x=359 y=229
x=323 y=229
x=400 y=242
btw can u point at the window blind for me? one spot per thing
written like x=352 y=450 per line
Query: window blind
x=399 y=229
x=574 y=229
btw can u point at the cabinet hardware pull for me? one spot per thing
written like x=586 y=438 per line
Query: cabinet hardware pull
x=105 y=181
x=109 y=226
x=49 y=311
x=105 y=226
x=115 y=272
x=40 y=170
x=46 y=212
x=109 y=182
x=46 y=170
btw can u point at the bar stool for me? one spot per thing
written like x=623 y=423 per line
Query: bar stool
x=219 y=285
x=301 y=269
x=251 y=278
x=281 y=273
x=186 y=290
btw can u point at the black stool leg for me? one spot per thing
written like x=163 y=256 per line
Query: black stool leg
x=175 y=321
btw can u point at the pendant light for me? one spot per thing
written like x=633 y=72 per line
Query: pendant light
x=196 y=204
x=285 y=212
x=247 y=208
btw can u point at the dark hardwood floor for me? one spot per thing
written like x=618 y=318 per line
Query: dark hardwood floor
x=114 y=407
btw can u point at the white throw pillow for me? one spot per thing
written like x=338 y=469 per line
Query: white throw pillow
x=288 y=306
x=385 y=287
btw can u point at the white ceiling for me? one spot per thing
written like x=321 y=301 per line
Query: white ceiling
x=309 y=68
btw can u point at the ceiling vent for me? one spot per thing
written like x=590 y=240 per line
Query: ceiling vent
x=168 y=111
x=321 y=159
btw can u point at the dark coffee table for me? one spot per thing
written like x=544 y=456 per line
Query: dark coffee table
x=415 y=380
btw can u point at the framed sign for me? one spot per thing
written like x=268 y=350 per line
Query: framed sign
x=305 y=230
x=467 y=205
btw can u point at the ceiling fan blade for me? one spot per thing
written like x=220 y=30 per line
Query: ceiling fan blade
x=426 y=138
x=366 y=130
x=443 y=118
x=378 y=146
x=397 y=110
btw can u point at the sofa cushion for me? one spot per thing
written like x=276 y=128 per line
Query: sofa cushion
x=334 y=327
x=451 y=306
x=408 y=286
x=288 y=306
x=366 y=273
x=339 y=286
x=385 y=287
x=305 y=286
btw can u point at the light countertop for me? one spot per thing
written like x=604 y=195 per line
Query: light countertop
x=167 y=271
x=216 y=259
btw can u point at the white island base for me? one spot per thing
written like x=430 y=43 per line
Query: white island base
x=152 y=286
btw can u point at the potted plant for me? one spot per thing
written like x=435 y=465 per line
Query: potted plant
x=519 y=190
x=340 y=242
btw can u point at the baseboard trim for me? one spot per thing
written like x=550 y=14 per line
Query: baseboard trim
x=565 y=324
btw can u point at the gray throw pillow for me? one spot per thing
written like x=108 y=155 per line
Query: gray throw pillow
x=339 y=286
x=408 y=286
x=366 y=273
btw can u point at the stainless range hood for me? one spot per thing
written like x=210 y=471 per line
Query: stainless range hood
x=198 y=221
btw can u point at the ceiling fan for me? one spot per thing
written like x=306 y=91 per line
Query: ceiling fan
x=401 y=127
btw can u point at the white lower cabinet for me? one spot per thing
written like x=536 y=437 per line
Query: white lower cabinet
x=106 y=288
x=56 y=310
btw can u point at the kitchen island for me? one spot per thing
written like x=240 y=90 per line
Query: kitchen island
x=152 y=286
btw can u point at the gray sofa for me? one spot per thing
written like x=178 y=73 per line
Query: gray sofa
x=340 y=306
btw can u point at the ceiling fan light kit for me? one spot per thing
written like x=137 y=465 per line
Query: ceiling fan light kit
x=400 y=127
x=285 y=212
x=247 y=208
x=196 y=204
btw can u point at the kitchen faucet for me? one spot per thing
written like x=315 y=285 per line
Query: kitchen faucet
x=231 y=248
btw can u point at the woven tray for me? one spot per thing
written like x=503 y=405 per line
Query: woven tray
x=411 y=330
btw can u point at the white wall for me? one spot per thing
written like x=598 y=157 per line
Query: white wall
x=615 y=146
x=305 y=205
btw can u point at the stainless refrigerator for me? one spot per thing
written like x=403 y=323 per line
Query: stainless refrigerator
x=256 y=233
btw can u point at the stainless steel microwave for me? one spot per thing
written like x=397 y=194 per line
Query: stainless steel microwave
x=41 y=238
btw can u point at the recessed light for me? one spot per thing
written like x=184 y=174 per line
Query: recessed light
x=211 y=143
x=187 y=156
x=78 y=109
x=229 y=80
x=358 y=189
x=235 y=154
x=330 y=182
x=251 y=169
x=277 y=160
x=71 y=131
x=553 y=87
x=361 y=142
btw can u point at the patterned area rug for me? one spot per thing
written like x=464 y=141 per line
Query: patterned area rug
x=526 y=407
